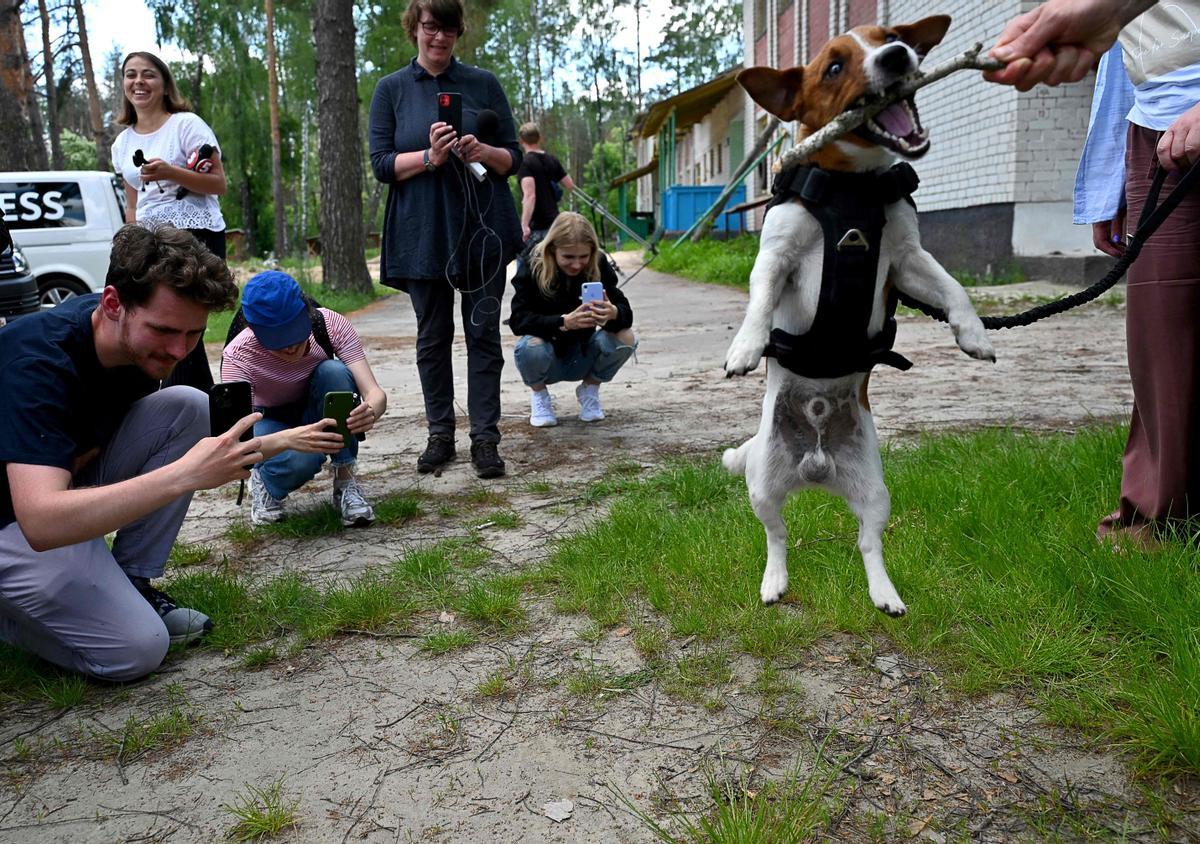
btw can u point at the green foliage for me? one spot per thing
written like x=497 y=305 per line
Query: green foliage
x=700 y=40
x=263 y=812
x=79 y=153
x=725 y=262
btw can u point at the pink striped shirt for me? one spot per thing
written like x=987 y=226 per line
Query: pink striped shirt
x=275 y=381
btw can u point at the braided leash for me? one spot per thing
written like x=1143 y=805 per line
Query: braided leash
x=1152 y=217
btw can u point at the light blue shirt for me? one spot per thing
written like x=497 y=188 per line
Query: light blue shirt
x=1155 y=104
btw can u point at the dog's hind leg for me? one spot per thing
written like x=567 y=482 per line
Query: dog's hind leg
x=767 y=496
x=871 y=503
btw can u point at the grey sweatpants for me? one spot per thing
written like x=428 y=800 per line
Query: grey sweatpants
x=75 y=606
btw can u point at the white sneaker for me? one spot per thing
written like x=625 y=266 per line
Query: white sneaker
x=264 y=510
x=348 y=500
x=541 y=412
x=589 y=403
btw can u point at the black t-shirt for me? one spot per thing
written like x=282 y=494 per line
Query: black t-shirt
x=544 y=168
x=58 y=401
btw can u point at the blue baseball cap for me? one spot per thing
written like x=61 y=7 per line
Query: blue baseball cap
x=275 y=310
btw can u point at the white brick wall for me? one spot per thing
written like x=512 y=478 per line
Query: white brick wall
x=990 y=143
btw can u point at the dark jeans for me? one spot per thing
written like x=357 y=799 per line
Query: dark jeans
x=194 y=371
x=433 y=303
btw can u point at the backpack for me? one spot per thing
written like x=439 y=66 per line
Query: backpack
x=319 y=330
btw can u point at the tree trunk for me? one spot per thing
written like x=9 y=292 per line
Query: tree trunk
x=56 y=153
x=17 y=149
x=34 y=108
x=103 y=154
x=276 y=152
x=343 y=262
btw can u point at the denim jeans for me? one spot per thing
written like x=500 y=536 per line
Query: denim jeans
x=289 y=470
x=600 y=359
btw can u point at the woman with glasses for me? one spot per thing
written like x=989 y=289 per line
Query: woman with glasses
x=446 y=228
x=171 y=164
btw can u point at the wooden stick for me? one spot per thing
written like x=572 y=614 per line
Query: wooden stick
x=906 y=87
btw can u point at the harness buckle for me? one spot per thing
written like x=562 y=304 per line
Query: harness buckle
x=853 y=239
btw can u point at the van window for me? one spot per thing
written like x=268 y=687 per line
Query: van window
x=118 y=186
x=41 y=205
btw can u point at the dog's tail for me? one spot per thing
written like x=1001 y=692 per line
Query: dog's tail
x=734 y=459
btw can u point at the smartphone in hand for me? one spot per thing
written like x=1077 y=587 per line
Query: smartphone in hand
x=228 y=402
x=450 y=110
x=591 y=291
x=338 y=406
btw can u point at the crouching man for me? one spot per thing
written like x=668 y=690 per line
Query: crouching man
x=89 y=445
x=293 y=353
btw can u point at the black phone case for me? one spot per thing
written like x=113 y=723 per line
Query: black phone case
x=228 y=402
x=330 y=408
x=450 y=110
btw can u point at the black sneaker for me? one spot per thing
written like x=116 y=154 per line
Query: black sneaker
x=438 y=452
x=183 y=625
x=486 y=459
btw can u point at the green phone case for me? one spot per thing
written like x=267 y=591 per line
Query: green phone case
x=337 y=407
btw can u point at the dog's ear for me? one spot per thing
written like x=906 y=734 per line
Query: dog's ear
x=778 y=91
x=925 y=34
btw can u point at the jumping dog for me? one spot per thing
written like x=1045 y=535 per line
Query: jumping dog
x=818 y=239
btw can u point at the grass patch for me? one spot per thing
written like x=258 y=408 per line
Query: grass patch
x=262 y=812
x=991 y=543
x=323 y=521
x=184 y=554
x=725 y=262
x=1011 y=274
x=445 y=641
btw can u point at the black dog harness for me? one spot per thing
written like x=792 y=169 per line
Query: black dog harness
x=849 y=207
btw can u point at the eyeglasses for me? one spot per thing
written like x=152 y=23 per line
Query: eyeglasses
x=433 y=28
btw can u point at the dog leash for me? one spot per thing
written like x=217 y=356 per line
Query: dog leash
x=1152 y=217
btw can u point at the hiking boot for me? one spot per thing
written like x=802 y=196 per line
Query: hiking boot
x=264 y=508
x=541 y=410
x=589 y=403
x=183 y=625
x=438 y=452
x=486 y=459
x=348 y=500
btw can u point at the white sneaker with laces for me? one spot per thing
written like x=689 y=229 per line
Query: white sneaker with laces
x=541 y=409
x=348 y=500
x=264 y=509
x=589 y=403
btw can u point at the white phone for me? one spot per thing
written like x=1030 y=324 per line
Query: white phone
x=591 y=291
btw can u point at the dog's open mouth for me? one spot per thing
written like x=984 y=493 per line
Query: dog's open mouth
x=898 y=128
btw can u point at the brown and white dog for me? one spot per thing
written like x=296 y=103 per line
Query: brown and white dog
x=819 y=431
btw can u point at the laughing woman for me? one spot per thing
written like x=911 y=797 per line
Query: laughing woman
x=172 y=168
x=564 y=338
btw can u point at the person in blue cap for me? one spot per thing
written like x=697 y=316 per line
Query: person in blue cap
x=292 y=354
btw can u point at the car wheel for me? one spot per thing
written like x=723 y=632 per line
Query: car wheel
x=55 y=291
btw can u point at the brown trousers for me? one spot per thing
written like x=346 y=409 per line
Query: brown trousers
x=1161 y=478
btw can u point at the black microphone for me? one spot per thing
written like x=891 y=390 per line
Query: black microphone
x=487 y=125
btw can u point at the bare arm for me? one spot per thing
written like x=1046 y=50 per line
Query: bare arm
x=528 y=200
x=374 y=403
x=52 y=514
x=1060 y=40
x=567 y=182
x=130 y=204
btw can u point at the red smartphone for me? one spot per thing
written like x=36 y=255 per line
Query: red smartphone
x=450 y=110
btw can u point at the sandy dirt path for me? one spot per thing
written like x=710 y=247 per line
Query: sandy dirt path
x=380 y=742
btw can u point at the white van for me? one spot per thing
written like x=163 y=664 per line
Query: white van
x=64 y=221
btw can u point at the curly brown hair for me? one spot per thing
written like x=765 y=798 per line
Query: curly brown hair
x=445 y=12
x=143 y=258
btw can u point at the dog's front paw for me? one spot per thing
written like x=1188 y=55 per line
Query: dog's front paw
x=972 y=339
x=744 y=353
